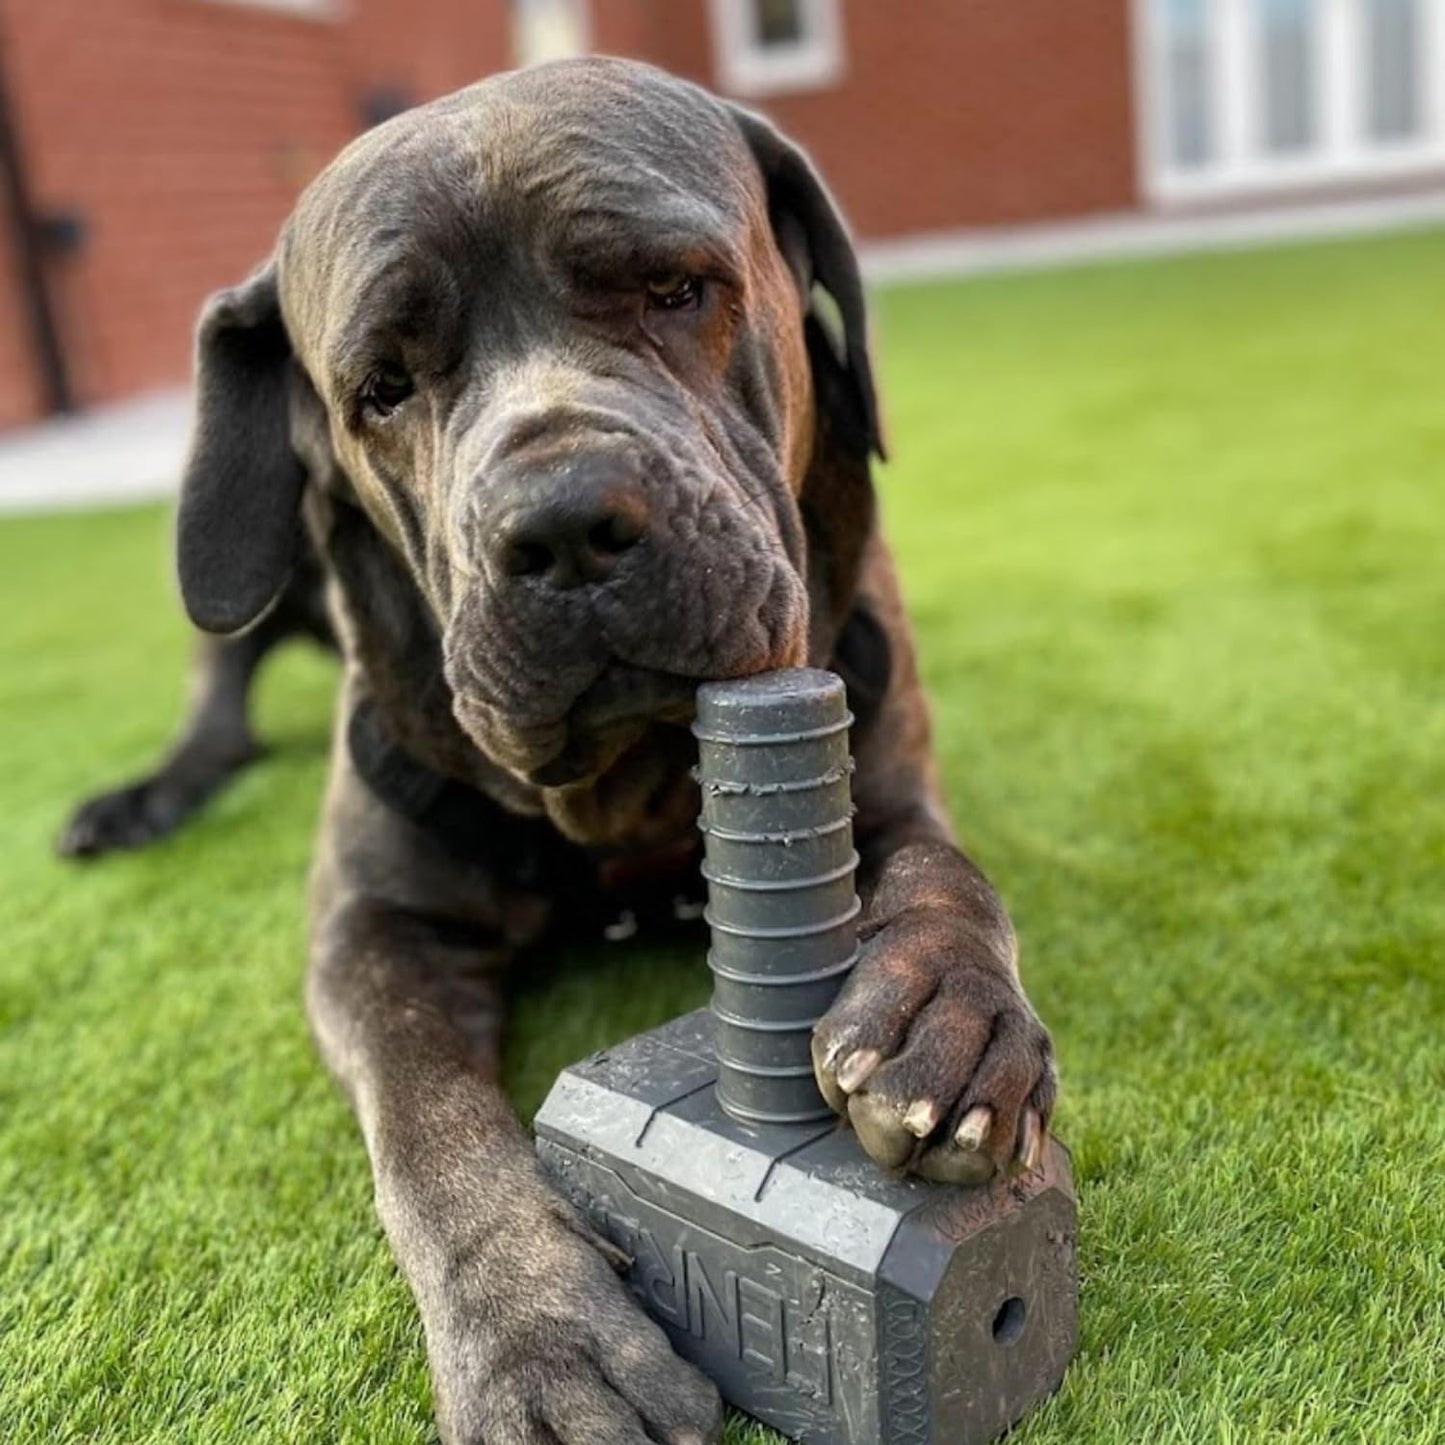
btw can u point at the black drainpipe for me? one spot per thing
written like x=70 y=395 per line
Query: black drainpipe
x=25 y=234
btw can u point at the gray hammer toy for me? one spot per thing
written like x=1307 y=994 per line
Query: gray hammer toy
x=841 y=1304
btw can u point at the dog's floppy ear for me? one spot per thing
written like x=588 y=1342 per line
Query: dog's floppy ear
x=815 y=242
x=238 y=527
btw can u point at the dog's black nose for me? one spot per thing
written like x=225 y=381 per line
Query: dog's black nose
x=576 y=530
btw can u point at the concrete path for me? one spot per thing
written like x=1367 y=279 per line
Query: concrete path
x=127 y=452
x=1130 y=235
x=132 y=451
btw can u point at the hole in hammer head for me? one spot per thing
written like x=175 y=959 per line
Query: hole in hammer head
x=1008 y=1323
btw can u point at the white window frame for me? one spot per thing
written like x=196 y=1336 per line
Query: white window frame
x=306 y=9
x=525 y=47
x=746 y=68
x=1239 y=167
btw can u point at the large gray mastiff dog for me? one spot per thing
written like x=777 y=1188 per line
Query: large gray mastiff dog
x=540 y=381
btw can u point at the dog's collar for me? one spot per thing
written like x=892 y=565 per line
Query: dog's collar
x=527 y=852
x=607 y=897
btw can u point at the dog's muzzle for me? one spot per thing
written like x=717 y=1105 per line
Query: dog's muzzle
x=607 y=579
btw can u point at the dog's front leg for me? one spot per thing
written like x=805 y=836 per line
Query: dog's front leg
x=532 y=1338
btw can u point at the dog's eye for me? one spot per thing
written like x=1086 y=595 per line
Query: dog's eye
x=673 y=291
x=385 y=390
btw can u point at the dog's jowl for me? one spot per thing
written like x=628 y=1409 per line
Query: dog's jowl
x=534 y=381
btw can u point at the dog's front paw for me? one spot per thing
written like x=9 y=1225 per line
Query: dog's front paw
x=129 y=817
x=540 y=1344
x=935 y=1053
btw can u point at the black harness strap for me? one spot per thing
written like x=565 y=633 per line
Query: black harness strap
x=524 y=851
x=863 y=658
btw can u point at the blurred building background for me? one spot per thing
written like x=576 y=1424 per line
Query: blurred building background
x=150 y=148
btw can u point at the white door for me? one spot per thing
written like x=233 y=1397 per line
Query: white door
x=1251 y=95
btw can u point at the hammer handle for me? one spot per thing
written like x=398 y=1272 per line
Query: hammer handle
x=780 y=866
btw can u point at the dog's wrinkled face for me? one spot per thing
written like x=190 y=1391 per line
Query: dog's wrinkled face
x=552 y=336
x=563 y=363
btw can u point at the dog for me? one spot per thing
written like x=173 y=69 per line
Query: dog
x=553 y=401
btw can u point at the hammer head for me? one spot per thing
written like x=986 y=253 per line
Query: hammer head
x=836 y=1302
x=842 y=1304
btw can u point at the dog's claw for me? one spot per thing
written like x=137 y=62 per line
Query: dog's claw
x=922 y=1118
x=854 y=1071
x=1031 y=1145
x=971 y=1133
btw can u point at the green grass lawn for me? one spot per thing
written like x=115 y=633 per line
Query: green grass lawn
x=1174 y=537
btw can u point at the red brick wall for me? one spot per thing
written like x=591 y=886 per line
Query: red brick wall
x=669 y=33
x=951 y=112
x=20 y=398
x=428 y=46
x=180 y=131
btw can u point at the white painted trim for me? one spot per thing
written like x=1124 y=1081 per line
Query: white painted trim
x=1236 y=82
x=1148 y=96
x=1432 y=57
x=743 y=67
x=531 y=41
x=1241 y=168
x=1340 y=77
x=306 y=9
x=1398 y=162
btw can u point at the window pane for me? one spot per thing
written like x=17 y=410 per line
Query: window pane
x=1287 y=69
x=1184 y=31
x=778 y=22
x=1392 y=46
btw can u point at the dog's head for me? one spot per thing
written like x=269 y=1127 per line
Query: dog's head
x=557 y=331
